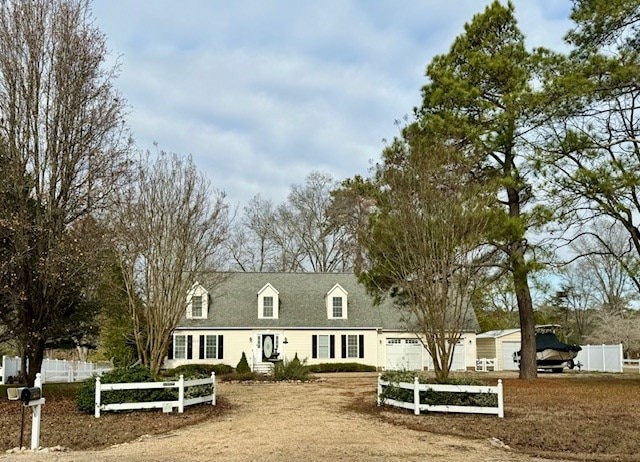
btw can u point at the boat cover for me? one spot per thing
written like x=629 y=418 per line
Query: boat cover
x=549 y=340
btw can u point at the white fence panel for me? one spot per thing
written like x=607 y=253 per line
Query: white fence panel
x=11 y=367
x=417 y=387
x=54 y=370
x=631 y=364
x=600 y=358
x=180 y=403
x=486 y=364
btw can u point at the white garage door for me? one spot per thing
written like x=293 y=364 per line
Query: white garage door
x=404 y=354
x=508 y=349
x=458 y=363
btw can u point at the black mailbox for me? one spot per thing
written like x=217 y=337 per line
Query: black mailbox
x=30 y=394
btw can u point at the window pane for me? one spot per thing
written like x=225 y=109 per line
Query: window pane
x=267 y=311
x=196 y=306
x=323 y=346
x=180 y=347
x=352 y=346
x=211 y=347
x=337 y=307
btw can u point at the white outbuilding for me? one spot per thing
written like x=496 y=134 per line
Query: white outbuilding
x=499 y=344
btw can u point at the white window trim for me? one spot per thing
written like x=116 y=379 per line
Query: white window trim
x=268 y=291
x=206 y=345
x=175 y=346
x=357 y=345
x=339 y=292
x=198 y=290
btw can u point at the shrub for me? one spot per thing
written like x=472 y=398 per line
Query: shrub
x=85 y=397
x=393 y=391
x=341 y=367
x=291 y=370
x=190 y=371
x=243 y=365
x=245 y=377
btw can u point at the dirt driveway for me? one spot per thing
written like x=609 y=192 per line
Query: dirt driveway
x=292 y=421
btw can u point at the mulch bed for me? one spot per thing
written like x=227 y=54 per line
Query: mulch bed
x=574 y=417
x=62 y=424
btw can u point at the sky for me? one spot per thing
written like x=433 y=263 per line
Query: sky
x=262 y=93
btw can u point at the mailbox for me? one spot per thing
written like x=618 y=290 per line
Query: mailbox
x=24 y=394
x=30 y=394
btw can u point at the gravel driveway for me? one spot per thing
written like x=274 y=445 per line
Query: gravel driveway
x=292 y=421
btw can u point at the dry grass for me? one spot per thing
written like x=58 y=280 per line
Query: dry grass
x=569 y=416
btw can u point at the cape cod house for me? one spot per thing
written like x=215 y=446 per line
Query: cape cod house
x=321 y=317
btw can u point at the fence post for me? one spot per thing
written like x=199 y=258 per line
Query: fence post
x=379 y=389
x=213 y=386
x=416 y=396
x=500 y=400
x=97 y=411
x=181 y=394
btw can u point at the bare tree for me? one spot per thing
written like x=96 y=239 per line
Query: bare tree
x=607 y=256
x=424 y=240
x=66 y=147
x=169 y=234
x=618 y=327
x=297 y=235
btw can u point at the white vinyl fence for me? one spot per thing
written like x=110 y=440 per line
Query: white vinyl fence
x=631 y=364
x=600 y=358
x=180 y=403
x=54 y=370
x=486 y=364
x=417 y=387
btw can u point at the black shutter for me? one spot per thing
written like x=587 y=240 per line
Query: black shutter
x=170 y=352
x=314 y=346
x=220 y=347
x=332 y=346
x=189 y=346
x=344 y=346
x=201 y=347
x=361 y=345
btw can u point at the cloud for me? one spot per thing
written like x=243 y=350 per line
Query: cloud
x=263 y=93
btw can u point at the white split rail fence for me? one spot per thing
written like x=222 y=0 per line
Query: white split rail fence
x=417 y=387
x=180 y=403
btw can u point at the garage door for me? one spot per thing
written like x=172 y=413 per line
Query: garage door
x=458 y=362
x=404 y=354
x=508 y=349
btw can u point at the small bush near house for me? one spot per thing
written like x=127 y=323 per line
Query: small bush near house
x=291 y=370
x=243 y=365
x=435 y=397
x=341 y=367
x=245 y=377
x=85 y=396
x=193 y=370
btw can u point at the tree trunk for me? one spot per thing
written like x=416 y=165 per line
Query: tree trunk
x=34 y=357
x=528 y=365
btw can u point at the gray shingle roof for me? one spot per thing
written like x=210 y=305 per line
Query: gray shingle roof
x=234 y=303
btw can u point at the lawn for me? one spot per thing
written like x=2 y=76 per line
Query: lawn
x=63 y=425
x=570 y=416
x=579 y=416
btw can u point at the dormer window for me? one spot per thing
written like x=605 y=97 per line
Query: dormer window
x=337 y=307
x=196 y=306
x=267 y=309
x=337 y=303
x=197 y=302
x=268 y=302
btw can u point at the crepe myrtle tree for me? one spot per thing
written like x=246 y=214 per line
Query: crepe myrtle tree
x=168 y=234
x=65 y=149
x=423 y=242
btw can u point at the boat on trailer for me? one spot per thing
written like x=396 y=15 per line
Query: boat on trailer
x=552 y=354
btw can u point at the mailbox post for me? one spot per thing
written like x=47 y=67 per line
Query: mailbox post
x=30 y=397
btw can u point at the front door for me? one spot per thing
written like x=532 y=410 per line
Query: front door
x=266 y=347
